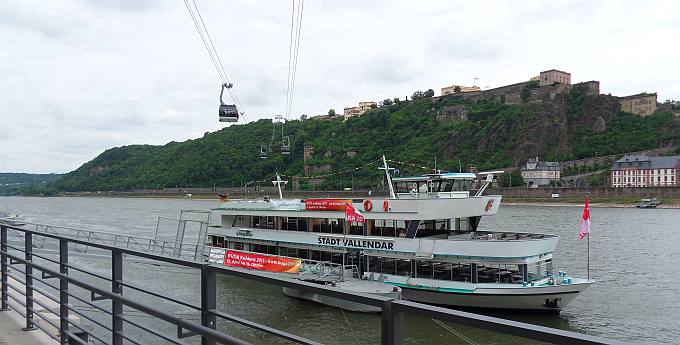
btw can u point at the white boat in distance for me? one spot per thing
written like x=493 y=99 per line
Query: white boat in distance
x=423 y=239
x=12 y=219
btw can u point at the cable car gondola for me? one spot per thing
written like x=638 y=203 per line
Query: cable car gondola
x=285 y=146
x=227 y=112
x=263 y=152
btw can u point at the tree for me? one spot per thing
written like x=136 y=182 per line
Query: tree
x=417 y=95
x=331 y=112
x=456 y=89
x=428 y=94
x=387 y=102
x=373 y=106
x=303 y=117
x=396 y=100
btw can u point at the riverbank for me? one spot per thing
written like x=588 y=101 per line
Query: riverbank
x=599 y=201
x=672 y=204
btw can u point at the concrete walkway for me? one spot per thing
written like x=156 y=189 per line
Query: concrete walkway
x=11 y=334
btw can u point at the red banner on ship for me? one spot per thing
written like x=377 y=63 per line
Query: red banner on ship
x=326 y=204
x=262 y=262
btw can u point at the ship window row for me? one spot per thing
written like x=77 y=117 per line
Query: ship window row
x=457 y=271
x=372 y=227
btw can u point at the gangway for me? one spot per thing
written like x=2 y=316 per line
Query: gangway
x=176 y=247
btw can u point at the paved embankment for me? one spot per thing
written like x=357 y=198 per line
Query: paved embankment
x=11 y=333
x=11 y=322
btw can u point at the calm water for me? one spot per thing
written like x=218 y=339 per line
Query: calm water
x=635 y=258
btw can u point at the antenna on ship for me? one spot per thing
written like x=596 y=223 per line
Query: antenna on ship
x=278 y=183
x=389 y=178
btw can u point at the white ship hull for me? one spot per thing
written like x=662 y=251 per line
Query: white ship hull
x=541 y=298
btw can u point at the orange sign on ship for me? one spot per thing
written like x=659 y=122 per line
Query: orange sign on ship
x=262 y=262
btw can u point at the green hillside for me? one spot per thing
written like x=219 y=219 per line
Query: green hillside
x=494 y=135
x=22 y=183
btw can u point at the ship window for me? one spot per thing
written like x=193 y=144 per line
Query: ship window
x=242 y=221
x=328 y=225
x=390 y=228
x=302 y=224
x=390 y=266
x=432 y=228
x=356 y=228
x=424 y=269
x=263 y=222
x=290 y=223
x=237 y=245
x=403 y=267
x=336 y=258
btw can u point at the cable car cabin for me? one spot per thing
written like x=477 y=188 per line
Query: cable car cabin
x=263 y=152
x=285 y=146
x=228 y=113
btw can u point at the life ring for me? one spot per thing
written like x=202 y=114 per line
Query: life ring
x=386 y=205
x=368 y=205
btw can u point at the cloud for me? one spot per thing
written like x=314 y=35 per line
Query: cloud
x=82 y=76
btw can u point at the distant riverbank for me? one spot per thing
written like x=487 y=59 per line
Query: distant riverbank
x=594 y=202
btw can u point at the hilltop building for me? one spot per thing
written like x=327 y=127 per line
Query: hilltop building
x=450 y=90
x=644 y=171
x=356 y=111
x=552 y=76
x=537 y=173
x=643 y=104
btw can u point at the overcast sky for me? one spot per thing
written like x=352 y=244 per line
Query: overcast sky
x=78 y=77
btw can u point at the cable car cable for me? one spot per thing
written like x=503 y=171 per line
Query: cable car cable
x=297 y=51
x=219 y=61
x=214 y=56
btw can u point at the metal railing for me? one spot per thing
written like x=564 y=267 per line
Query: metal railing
x=177 y=247
x=118 y=331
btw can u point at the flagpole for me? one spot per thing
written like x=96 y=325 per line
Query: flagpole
x=588 y=257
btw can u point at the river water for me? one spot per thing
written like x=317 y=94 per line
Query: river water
x=635 y=259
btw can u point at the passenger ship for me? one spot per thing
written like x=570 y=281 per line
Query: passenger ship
x=422 y=240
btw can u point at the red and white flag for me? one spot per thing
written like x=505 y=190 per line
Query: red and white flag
x=584 y=228
x=352 y=214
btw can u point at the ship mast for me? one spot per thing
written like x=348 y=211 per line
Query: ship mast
x=278 y=183
x=389 y=178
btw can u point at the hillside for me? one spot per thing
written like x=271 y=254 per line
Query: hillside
x=22 y=183
x=486 y=134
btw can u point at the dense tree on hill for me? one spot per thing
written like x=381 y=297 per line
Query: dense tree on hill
x=331 y=112
x=387 y=102
x=428 y=94
x=494 y=136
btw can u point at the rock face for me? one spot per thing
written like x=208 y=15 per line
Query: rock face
x=534 y=128
x=599 y=126
x=96 y=169
x=453 y=112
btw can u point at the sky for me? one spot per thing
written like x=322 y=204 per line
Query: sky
x=79 y=77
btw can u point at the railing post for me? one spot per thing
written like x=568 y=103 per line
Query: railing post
x=392 y=325
x=63 y=291
x=117 y=288
x=3 y=267
x=208 y=301
x=28 y=256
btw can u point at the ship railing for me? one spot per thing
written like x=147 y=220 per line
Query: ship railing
x=79 y=291
x=320 y=270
